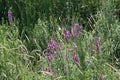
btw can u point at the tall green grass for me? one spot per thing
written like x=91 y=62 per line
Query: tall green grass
x=77 y=58
x=107 y=26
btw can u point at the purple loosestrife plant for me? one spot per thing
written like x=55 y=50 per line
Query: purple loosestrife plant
x=66 y=34
x=48 y=55
x=52 y=45
x=75 y=58
x=10 y=17
x=75 y=29
x=96 y=40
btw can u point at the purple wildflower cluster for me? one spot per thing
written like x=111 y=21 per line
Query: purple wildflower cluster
x=75 y=29
x=52 y=45
x=54 y=48
x=75 y=58
x=48 y=55
x=66 y=34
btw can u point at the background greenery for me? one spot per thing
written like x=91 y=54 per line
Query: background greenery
x=36 y=22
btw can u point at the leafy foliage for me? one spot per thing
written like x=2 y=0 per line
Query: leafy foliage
x=48 y=40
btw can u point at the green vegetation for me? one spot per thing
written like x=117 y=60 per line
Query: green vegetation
x=59 y=40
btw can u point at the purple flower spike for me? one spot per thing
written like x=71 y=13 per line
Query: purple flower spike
x=75 y=58
x=66 y=34
x=48 y=55
x=101 y=78
x=97 y=43
x=52 y=45
x=10 y=17
x=75 y=29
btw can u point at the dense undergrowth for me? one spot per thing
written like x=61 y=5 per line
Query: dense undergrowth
x=63 y=51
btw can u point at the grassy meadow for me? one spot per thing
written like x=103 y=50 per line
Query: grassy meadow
x=59 y=40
